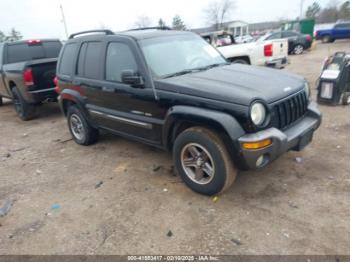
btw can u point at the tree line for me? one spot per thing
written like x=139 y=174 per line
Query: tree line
x=13 y=35
x=215 y=14
x=329 y=14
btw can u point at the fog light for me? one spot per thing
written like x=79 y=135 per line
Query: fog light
x=257 y=145
x=260 y=161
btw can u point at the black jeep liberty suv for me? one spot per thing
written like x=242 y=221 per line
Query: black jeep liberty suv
x=175 y=91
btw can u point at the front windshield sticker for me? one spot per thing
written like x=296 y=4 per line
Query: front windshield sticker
x=211 y=51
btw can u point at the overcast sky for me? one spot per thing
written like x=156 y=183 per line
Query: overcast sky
x=42 y=18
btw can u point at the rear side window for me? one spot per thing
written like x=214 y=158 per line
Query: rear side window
x=274 y=36
x=88 y=62
x=25 y=51
x=68 y=58
x=289 y=34
x=119 y=57
x=343 y=26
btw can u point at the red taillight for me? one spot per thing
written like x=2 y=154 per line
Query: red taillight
x=34 y=42
x=28 y=77
x=268 y=50
x=315 y=34
x=308 y=38
x=57 y=88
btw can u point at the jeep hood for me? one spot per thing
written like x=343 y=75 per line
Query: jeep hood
x=240 y=84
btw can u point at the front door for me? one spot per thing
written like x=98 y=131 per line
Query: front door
x=121 y=107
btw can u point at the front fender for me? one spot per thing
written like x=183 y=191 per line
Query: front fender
x=195 y=114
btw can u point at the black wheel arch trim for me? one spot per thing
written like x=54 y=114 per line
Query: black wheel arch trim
x=189 y=113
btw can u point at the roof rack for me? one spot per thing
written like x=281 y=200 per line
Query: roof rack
x=153 y=27
x=107 y=32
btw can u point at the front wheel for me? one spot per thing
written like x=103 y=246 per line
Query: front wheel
x=298 y=49
x=24 y=110
x=203 y=162
x=82 y=132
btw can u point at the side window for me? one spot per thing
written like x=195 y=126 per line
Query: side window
x=68 y=59
x=92 y=58
x=80 y=66
x=274 y=36
x=88 y=61
x=289 y=34
x=119 y=57
x=1 y=53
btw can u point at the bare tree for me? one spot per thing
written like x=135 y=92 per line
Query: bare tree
x=218 y=11
x=143 y=21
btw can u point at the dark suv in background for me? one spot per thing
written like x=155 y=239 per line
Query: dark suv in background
x=27 y=72
x=175 y=91
x=297 y=42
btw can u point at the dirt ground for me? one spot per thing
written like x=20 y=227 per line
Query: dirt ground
x=121 y=197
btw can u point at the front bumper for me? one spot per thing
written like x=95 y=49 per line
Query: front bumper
x=296 y=137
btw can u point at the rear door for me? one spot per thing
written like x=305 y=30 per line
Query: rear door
x=292 y=38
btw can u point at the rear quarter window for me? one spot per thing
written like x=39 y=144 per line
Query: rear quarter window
x=67 y=61
x=26 y=52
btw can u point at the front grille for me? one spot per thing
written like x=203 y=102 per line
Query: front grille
x=290 y=110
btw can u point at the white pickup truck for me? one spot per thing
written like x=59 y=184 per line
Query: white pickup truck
x=262 y=52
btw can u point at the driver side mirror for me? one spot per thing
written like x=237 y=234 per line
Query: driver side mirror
x=130 y=77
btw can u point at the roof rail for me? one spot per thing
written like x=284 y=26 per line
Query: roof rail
x=106 y=31
x=153 y=27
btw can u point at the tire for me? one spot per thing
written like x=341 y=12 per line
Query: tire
x=24 y=110
x=326 y=39
x=213 y=156
x=346 y=99
x=239 y=61
x=1 y=101
x=82 y=132
x=298 y=49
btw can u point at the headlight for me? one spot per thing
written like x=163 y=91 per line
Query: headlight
x=307 y=89
x=258 y=113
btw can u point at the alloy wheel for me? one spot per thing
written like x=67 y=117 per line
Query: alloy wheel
x=197 y=163
x=299 y=49
x=77 y=127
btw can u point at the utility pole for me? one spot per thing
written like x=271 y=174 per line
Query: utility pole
x=301 y=9
x=64 y=21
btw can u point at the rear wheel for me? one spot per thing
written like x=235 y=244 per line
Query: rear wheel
x=24 y=110
x=203 y=162
x=326 y=39
x=82 y=132
x=298 y=49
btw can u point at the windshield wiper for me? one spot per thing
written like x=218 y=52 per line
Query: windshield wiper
x=212 y=66
x=180 y=73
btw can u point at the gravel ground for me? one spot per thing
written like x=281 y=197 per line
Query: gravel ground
x=121 y=197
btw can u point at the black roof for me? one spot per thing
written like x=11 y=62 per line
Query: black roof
x=136 y=34
x=152 y=33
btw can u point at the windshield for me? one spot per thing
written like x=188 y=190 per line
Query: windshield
x=173 y=54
